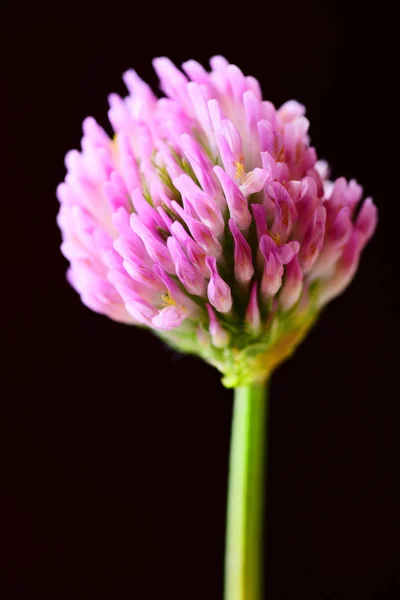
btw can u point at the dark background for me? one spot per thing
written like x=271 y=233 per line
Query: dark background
x=114 y=465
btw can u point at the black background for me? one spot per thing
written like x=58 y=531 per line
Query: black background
x=114 y=465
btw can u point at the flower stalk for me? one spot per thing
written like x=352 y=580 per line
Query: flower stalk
x=244 y=533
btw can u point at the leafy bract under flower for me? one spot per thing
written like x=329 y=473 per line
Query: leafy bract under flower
x=208 y=219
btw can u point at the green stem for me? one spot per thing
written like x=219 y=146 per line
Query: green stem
x=243 y=553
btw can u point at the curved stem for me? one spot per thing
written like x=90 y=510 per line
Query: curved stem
x=243 y=553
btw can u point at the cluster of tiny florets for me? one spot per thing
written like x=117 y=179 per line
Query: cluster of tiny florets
x=208 y=209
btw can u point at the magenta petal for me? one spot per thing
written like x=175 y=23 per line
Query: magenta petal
x=267 y=245
x=147 y=214
x=205 y=207
x=254 y=182
x=173 y=82
x=216 y=114
x=113 y=196
x=203 y=169
x=143 y=275
x=270 y=166
x=266 y=136
x=193 y=281
x=252 y=111
x=313 y=240
x=232 y=136
x=225 y=151
x=141 y=311
x=237 y=203
x=196 y=72
x=253 y=318
x=287 y=251
x=128 y=165
x=273 y=269
x=237 y=82
x=169 y=317
x=219 y=292
x=260 y=218
x=292 y=286
x=367 y=220
x=156 y=249
x=132 y=250
x=200 y=232
x=218 y=63
x=199 y=100
x=341 y=227
x=285 y=211
x=244 y=269
x=121 y=221
x=193 y=251
x=344 y=270
x=291 y=110
x=219 y=336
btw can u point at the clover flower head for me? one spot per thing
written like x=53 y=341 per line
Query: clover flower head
x=208 y=218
